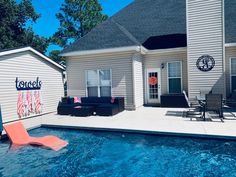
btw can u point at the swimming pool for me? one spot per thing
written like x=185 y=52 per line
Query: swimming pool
x=96 y=153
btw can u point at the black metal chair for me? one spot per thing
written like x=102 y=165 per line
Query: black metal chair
x=231 y=101
x=214 y=103
x=195 y=109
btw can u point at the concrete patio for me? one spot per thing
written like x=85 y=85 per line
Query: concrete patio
x=150 y=120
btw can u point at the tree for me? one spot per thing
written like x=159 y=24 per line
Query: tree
x=16 y=21
x=77 y=18
x=54 y=55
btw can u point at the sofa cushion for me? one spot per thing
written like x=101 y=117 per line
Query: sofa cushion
x=89 y=104
x=107 y=105
x=90 y=99
x=70 y=100
x=105 y=99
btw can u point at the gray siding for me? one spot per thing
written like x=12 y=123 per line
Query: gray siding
x=27 y=66
x=155 y=61
x=121 y=65
x=205 y=36
x=230 y=52
x=138 y=80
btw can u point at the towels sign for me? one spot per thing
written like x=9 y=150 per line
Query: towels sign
x=28 y=85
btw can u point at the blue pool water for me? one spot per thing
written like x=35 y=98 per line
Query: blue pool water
x=95 y=153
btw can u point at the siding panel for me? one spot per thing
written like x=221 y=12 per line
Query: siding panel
x=155 y=61
x=27 y=66
x=205 y=36
x=121 y=65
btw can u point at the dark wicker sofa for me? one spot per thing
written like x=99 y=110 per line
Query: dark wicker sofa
x=103 y=106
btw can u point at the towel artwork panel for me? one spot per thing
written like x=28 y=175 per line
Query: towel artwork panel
x=29 y=99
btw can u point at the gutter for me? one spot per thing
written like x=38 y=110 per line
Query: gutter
x=101 y=51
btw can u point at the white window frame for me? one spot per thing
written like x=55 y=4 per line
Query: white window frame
x=86 y=77
x=181 y=78
x=230 y=73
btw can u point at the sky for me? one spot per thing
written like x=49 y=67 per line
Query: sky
x=47 y=24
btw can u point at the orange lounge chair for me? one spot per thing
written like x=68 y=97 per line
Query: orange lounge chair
x=19 y=136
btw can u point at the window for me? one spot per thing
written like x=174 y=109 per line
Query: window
x=233 y=74
x=98 y=82
x=174 y=77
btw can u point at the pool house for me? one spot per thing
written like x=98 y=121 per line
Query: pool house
x=30 y=86
x=153 y=48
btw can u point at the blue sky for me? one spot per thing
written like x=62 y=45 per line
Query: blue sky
x=47 y=24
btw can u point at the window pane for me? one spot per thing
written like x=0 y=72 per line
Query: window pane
x=233 y=66
x=233 y=83
x=105 y=77
x=92 y=91
x=175 y=85
x=105 y=91
x=174 y=69
x=92 y=78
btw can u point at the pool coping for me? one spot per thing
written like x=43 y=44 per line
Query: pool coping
x=149 y=132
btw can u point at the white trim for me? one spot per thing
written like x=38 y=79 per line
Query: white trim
x=133 y=81
x=223 y=45
x=100 y=51
x=230 y=44
x=157 y=51
x=32 y=50
x=230 y=73
x=98 y=79
x=187 y=31
x=181 y=77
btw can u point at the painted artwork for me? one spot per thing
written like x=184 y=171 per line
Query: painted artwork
x=29 y=103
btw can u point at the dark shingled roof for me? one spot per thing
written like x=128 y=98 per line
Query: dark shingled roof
x=166 y=41
x=142 y=21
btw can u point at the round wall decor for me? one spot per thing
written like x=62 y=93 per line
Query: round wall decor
x=152 y=80
x=205 y=63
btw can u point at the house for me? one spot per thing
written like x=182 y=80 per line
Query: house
x=151 y=48
x=31 y=84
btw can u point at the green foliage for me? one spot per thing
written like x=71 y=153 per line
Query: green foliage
x=54 y=55
x=77 y=18
x=16 y=21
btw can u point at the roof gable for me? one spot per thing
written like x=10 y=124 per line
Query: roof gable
x=143 y=19
x=24 y=49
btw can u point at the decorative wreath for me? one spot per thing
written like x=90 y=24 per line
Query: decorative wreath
x=152 y=80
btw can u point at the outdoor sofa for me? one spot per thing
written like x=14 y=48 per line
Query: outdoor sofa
x=174 y=100
x=86 y=106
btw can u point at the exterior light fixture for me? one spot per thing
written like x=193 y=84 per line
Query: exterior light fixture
x=162 y=65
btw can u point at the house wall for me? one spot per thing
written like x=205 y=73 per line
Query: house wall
x=121 y=65
x=138 y=80
x=205 y=35
x=229 y=52
x=27 y=66
x=156 y=59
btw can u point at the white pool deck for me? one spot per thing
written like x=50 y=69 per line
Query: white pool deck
x=149 y=120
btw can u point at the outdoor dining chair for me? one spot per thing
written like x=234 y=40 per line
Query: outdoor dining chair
x=195 y=109
x=214 y=103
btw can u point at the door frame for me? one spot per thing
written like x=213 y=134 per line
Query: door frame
x=158 y=70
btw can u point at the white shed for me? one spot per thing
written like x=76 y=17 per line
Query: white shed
x=31 y=84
